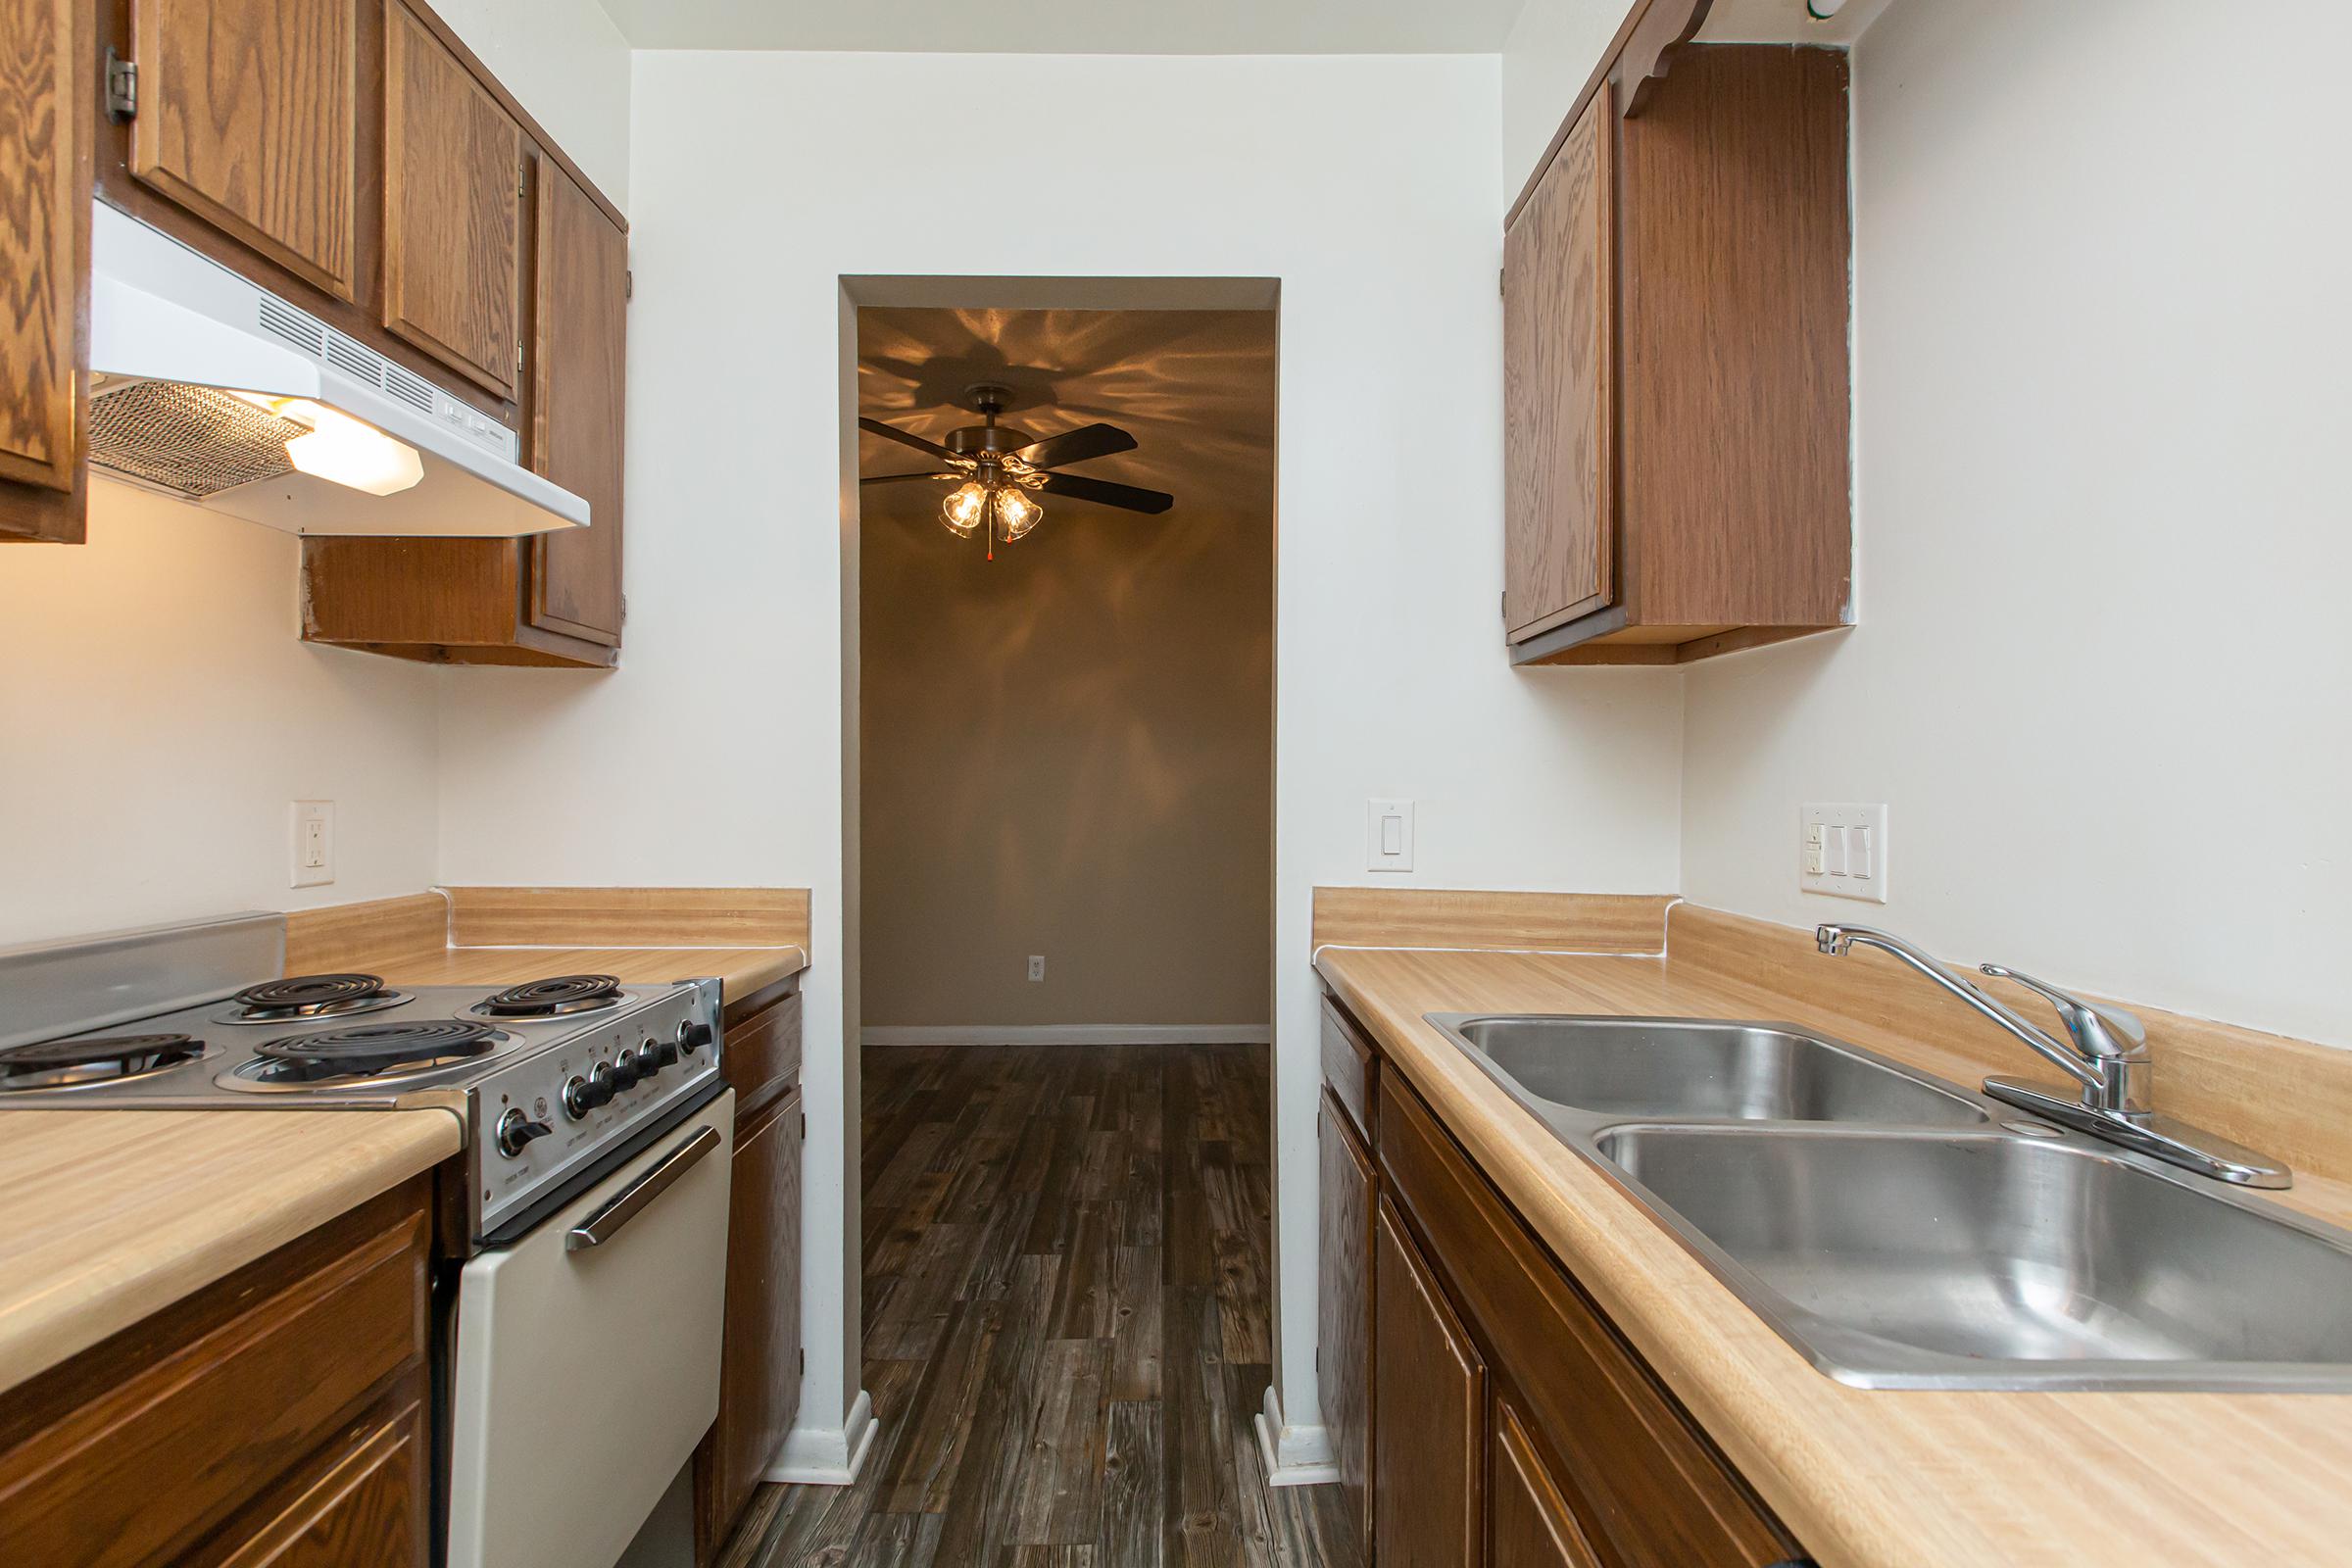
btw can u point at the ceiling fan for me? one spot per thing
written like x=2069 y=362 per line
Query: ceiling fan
x=1003 y=470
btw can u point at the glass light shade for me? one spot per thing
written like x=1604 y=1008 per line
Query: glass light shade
x=1016 y=514
x=349 y=452
x=965 y=508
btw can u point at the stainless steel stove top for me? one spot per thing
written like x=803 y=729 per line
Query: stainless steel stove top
x=549 y=1079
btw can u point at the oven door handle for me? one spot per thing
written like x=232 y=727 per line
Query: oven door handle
x=606 y=1223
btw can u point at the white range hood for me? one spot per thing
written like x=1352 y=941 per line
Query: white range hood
x=212 y=390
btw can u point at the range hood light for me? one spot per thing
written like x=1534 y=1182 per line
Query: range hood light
x=349 y=452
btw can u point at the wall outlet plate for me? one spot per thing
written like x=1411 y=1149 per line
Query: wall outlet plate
x=311 y=848
x=1037 y=967
x=1841 y=851
x=1387 y=835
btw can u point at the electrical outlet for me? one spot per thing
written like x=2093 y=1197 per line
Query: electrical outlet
x=1841 y=851
x=1387 y=835
x=312 y=825
x=1037 y=967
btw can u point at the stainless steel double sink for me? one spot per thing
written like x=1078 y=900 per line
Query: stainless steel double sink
x=1904 y=1233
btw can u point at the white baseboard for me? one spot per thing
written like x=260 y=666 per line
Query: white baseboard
x=828 y=1456
x=1294 y=1456
x=1071 y=1034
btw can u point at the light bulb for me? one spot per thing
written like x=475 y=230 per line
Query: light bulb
x=349 y=452
x=1016 y=514
x=965 y=508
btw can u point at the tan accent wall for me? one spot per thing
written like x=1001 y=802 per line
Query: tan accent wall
x=1068 y=751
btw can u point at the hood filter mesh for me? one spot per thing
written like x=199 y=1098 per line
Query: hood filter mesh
x=192 y=440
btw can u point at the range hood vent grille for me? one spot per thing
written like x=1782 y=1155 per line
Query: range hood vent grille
x=190 y=440
x=282 y=321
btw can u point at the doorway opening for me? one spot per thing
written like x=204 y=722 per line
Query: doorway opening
x=1058 y=809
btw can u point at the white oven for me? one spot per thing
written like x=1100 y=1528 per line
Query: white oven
x=586 y=1358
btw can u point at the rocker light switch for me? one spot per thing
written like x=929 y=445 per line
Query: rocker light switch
x=1387 y=835
x=1841 y=851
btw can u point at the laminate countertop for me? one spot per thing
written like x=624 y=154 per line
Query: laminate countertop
x=1879 y=1478
x=743 y=971
x=113 y=1216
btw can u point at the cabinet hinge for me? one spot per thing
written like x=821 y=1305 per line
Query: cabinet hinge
x=121 y=86
x=629 y=285
x=522 y=178
x=804 y=1124
x=1502 y=282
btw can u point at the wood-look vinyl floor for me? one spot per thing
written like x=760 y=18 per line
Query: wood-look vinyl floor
x=1069 y=1318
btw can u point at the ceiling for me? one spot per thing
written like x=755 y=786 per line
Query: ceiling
x=1195 y=388
x=1072 y=26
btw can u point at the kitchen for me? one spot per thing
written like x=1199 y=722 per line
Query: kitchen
x=2092 y=318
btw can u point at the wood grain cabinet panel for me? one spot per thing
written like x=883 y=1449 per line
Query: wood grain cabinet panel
x=580 y=332
x=760 y=1377
x=1558 y=371
x=1429 y=1390
x=45 y=169
x=157 y=1443
x=453 y=209
x=1528 y=1524
x=1344 y=1305
x=1677 y=473
x=248 y=117
x=365 y=1507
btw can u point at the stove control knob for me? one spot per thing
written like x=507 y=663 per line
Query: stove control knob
x=626 y=1070
x=694 y=1036
x=660 y=1053
x=575 y=1097
x=514 y=1130
x=584 y=1094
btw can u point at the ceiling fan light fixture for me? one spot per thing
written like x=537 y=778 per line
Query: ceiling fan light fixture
x=965 y=508
x=1016 y=513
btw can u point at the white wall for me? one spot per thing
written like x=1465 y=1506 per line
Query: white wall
x=569 y=65
x=2102 y=676
x=1553 y=48
x=1367 y=186
x=159 y=713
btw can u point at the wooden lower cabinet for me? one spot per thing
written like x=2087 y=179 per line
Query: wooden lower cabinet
x=1511 y=1424
x=1428 y=1430
x=275 y=1417
x=759 y=1359
x=1528 y=1523
x=1344 y=1305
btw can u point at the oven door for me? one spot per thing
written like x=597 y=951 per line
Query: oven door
x=587 y=1358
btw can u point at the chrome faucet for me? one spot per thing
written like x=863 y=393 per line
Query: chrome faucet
x=2105 y=1053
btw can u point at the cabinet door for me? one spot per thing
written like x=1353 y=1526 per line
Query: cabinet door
x=580 y=331
x=760 y=1375
x=1528 y=1525
x=45 y=125
x=1344 y=1313
x=365 y=1511
x=452 y=208
x=1558 y=352
x=248 y=118
x=1429 y=1391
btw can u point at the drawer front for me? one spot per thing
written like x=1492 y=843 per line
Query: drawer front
x=149 y=1461
x=366 y=1509
x=762 y=1057
x=1349 y=1066
x=1649 y=1488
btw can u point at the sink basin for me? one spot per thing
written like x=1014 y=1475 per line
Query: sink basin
x=1901 y=1232
x=1991 y=1260
x=1699 y=1070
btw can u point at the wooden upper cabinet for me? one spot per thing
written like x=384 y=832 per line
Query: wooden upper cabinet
x=1528 y=1523
x=452 y=208
x=1429 y=1390
x=1559 y=369
x=45 y=163
x=1677 y=379
x=580 y=338
x=248 y=117
x=1343 y=1307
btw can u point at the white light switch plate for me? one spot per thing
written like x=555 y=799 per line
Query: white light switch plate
x=1387 y=835
x=310 y=847
x=1841 y=851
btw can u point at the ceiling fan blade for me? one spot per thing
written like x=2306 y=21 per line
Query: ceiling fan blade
x=906 y=438
x=1126 y=496
x=1076 y=446
x=903 y=478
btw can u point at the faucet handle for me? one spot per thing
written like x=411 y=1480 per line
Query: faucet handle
x=2100 y=1030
